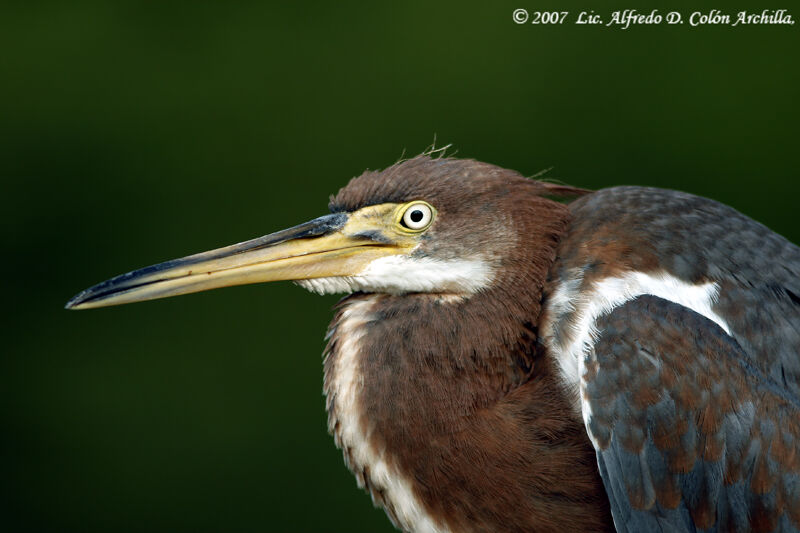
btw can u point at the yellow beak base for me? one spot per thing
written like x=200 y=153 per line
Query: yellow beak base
x=340 y=244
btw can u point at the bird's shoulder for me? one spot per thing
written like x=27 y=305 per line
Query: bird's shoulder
x=685 y=248
x=677 y=319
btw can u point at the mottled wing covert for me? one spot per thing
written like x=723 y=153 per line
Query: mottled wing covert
x=689 y=435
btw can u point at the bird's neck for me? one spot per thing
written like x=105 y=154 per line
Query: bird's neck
x=449 y=417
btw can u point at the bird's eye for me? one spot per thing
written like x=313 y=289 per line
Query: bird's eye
x=417 y=216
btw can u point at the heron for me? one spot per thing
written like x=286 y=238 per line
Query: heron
x=518 y=355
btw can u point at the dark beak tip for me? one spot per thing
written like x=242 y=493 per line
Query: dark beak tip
x=133 y=280
x=73 y=302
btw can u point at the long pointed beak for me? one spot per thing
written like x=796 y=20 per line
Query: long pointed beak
x=331 y=245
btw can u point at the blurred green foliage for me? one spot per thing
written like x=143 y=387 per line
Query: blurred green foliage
x=134 y=132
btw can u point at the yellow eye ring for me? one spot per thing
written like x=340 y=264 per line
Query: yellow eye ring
x=417 y=216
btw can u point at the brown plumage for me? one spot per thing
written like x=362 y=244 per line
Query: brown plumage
x=507 y=362
x=459 y=394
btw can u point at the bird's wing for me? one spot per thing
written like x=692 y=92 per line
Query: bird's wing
x=689 y=435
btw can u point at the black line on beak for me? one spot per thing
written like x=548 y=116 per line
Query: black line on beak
x=313 y=228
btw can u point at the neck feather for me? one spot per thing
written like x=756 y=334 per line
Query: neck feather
x=449 y=414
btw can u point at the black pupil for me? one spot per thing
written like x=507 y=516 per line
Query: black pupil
x=416 y=215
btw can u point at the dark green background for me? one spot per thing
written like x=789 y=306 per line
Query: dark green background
x=131 y=133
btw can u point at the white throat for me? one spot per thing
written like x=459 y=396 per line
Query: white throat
x=399 y=274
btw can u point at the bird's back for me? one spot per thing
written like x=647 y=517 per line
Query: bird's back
x=677 y=319
x=697 y=240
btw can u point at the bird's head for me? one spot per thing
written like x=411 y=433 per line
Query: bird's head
x=425 y=225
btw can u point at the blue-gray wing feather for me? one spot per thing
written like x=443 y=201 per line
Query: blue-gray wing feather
x=690 y=436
